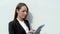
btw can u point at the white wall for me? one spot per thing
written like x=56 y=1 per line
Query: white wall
x=41 y=12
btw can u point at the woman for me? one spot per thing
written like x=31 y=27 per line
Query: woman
x=19 y=25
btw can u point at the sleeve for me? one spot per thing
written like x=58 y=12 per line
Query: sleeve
x=11 y=29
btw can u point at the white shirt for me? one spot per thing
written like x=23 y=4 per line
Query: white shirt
x=23 y=25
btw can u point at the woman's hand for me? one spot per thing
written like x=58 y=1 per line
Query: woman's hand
x=31 y=31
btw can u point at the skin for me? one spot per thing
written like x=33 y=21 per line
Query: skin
x=22 y=14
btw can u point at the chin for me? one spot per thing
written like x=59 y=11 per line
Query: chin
x=23 y=17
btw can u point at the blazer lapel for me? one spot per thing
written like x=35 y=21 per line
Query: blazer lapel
x=19 y=26
x=27 y=24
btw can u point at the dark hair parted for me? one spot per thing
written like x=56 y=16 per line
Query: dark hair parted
x=18 y=7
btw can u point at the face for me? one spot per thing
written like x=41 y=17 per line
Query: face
x=22 y=12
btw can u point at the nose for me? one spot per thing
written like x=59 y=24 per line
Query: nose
x=25 y=13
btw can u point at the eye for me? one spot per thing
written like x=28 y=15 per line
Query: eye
x=24 y=11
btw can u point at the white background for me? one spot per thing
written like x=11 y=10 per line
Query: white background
x=41 y=12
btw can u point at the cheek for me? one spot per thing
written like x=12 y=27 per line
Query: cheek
x=21 y=14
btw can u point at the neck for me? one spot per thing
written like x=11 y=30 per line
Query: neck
x=20 y=18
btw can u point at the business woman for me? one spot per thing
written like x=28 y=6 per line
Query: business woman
x=20 y=25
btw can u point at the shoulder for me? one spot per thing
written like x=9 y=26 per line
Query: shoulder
x=11 y=22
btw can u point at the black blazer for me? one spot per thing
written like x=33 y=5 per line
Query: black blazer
x=16 y=28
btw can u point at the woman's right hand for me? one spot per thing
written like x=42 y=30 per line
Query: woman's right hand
x=31 y=31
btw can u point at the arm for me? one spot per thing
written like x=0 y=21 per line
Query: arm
x=11 y=29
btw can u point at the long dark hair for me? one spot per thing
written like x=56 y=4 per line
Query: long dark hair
x=18 y=7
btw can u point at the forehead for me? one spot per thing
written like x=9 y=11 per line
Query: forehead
x=23 y=8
